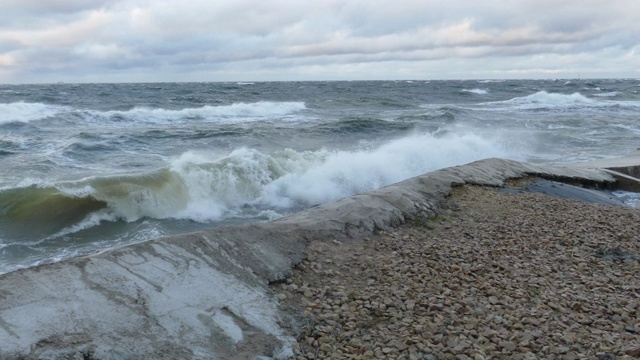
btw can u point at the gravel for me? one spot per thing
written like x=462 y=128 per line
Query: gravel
x=503 y=276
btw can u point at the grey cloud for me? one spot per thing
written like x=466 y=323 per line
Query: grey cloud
x=84 y=38
x=53 y=7
x=32 y=14
x=9 y=45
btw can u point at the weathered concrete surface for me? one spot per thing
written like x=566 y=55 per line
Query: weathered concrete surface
x=631 y=161
x=625 y=169
x=204 y=295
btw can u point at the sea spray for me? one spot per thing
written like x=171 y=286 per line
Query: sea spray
x=343 y=173
x=219 y=186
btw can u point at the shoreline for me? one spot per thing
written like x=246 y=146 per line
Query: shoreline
x=206 y=295
x=501 y=275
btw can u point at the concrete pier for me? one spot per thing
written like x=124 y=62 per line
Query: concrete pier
x=625 y=169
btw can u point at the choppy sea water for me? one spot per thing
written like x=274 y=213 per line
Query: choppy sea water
x=92 y=166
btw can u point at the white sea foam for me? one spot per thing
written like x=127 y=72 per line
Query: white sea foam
x=234 y=113
x=146 y=234
x=543 y=100
x=32 y=181
x=630 y=198
x=25 y=112
x=344 y=173
x=476 y=91
x=216 y=185
x=607 y=94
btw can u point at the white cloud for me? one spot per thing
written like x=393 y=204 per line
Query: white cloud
x=7 y=60
x=160 y=40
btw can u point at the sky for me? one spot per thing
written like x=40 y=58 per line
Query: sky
x=43 y=41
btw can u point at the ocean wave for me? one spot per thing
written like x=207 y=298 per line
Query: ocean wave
x=626 y=127
x=206 y=187
x=545 y=98
x=544 y=101
x=234 y=113
x=25 y=112
x=9 y=146
x=290 y=179
x=47 y=207
x=343 y=173
x=90 y=220
x=476 y=91
x=607 y=94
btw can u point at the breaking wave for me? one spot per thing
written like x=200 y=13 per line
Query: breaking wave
x=476 y=91
x=543 y=98
x=26 y=112
x=544 y=101
x=234 y=113
x=203 y=187
x=607 y=94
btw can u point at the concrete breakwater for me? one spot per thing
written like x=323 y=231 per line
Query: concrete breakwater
x=205 y=295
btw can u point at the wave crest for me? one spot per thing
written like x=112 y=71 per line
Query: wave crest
x=476 y=91
x=26 y=112
x=544 y=101
x=234 y=113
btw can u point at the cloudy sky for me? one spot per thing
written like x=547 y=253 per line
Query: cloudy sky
x=242 y=40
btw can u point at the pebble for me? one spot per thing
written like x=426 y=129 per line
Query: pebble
x=508 y=345
x=503 y=276
x=634 y=351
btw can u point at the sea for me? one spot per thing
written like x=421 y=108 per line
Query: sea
x=86 y=167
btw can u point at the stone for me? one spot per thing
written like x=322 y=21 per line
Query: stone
x=508 y=345
x=327 y=348
x=633 y=351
